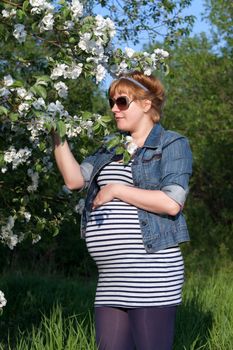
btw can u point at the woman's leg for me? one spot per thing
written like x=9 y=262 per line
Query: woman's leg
x=153 y=327
x=113 y=329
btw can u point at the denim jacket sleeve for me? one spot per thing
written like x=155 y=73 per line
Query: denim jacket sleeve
x=86 y=169
x=176 y=168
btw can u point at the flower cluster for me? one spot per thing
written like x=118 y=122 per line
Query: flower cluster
x=7 y=236
x=34 y=177
x=35 y=91
x=3 y=300
x=143 y=61
x=16 y=157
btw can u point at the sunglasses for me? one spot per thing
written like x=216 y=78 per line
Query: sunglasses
x=122 y=102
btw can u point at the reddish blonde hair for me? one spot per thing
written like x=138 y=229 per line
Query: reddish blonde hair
x=155 y=93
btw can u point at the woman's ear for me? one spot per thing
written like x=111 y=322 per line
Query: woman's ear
x=146 y=105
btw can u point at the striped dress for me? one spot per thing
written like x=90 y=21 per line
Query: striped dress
x=129 y=276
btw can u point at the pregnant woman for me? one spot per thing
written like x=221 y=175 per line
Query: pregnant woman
x=132 y=220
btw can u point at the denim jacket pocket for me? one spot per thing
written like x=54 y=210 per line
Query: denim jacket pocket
x=151 y=155
x=151 y=167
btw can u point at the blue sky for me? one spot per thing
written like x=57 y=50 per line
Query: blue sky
x=196 y=9
x=200 y=25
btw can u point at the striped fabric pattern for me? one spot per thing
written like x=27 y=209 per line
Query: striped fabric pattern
x=128 y=275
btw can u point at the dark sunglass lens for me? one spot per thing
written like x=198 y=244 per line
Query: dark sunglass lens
x=111 y=102
x=122 y=102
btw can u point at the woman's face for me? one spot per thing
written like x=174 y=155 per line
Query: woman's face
x=132 y=118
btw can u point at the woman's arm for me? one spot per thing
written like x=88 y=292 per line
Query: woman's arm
x=67 y=164
x=151 y=200
x=176 y=168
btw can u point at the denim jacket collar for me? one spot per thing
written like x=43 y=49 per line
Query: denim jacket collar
x=153 y=139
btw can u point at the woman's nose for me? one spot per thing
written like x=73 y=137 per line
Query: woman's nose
x=115 y=108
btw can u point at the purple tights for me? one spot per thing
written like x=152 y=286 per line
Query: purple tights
x=147 y=328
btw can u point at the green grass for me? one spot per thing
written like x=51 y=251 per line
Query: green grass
x=57 y=332
x=53 y=313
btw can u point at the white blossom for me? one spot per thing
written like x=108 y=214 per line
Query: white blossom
x=80 y=206
x=68 y=25
x=56 y=108
x=68 y=72
x=19 y=33
x=36 y=239
x=27 y=216
x=129 y=52
x=73 y=131
x=147 y=70
x=85 y=42
x=100 y=73
x=35 y=177
x=23 y=107
x=39 y=6
x=62 y=89
x=58 y=71
x=76 y=9
x=17 y=157
x=7 y=14
x=47 y=163
x=87 y=125
x=104 y=26
x=24 y=94
x=74 y=71
x=95 y=47
x=21 y=92
x=161 y=53
x=39 y=104
x=3 y=300
x=121 y=68
x=7 y=236
x=4 y=170
x=47 y=23
x=8 y=80
x=130 y=145
x=4 y=92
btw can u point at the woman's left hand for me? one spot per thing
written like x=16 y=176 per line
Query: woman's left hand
x=106 y=194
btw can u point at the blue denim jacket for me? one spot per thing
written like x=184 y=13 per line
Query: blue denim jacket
x=164 y=163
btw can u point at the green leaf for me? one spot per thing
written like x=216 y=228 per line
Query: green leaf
x=106 y=118
x=86 y=115
x=21 y=14
x=113 y=142
x=165 y=68
x=61 y=128
x=42 y=80
x=72 y=40
x=42 y=146
x=49 y=126
x=120 y=150
x=14 y=117
x=40 y=225
x=39 y=90
x=56 y=231
x=17 y=83
x=38 y=168
x=3 y=110
x=25 y=5
x=2 y=161
x=126 y=157
x=96 y=127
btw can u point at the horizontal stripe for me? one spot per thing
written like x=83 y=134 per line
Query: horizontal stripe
x=128 y=275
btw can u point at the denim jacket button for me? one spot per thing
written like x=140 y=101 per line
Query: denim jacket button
x=144 y=223
x=149 y=246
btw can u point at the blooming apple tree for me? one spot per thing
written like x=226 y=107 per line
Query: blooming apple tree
x=45 y=47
